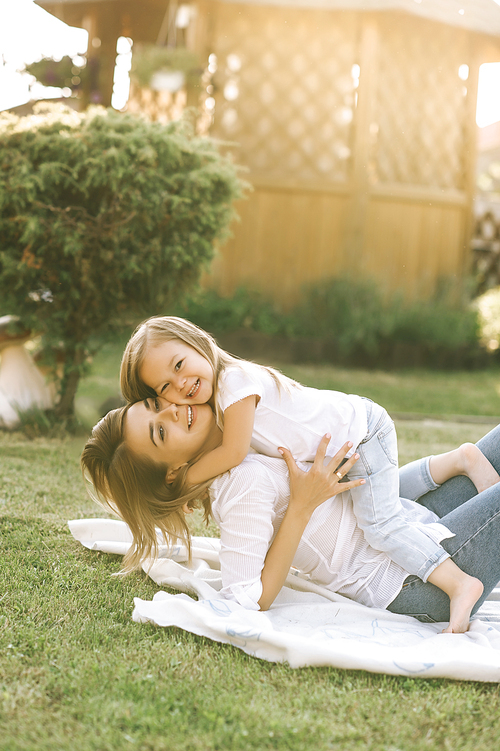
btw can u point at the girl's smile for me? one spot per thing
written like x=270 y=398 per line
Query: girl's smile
x=178 y=372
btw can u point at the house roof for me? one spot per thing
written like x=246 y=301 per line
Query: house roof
x=477 y=15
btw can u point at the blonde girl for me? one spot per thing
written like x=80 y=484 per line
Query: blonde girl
x=259 y=408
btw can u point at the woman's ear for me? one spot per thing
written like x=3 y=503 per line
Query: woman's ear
x=187 y=510
x=172 y=473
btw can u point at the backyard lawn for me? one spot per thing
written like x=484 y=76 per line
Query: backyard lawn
x=77 y=673
x=420 y=392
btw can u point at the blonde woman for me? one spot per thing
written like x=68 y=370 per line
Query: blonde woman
x=274 y=513
x=258 y=408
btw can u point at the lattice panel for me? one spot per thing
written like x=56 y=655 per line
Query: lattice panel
x=421 y=104
x=284 y=89
x=158 y=106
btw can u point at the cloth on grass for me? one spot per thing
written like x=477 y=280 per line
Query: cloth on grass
x=307 y=624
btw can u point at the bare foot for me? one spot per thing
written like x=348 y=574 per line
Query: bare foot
x=461 y=604
x=476 y=467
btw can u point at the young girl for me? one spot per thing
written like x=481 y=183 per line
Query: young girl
x=261 y=409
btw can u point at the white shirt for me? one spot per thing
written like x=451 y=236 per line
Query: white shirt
x=293 y=416
x=248 y=504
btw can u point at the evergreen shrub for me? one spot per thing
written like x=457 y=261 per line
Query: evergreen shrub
x=354 y=320
x=245 y=309
x=356 y=314
x=104 y=220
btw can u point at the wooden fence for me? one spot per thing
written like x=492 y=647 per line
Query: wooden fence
x=358 y=132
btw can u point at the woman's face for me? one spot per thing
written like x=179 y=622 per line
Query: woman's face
x=178 y=372
x=170 y=433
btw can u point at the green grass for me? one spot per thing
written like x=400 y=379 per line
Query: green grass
x=431 y=392
x=414 y=391
x=77 y=674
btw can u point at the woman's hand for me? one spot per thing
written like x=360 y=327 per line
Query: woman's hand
x=308 y=490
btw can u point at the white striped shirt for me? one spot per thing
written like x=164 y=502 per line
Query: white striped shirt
x=249 y=503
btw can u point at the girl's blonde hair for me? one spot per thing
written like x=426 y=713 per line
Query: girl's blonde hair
x=159 y=329
x=135 y=488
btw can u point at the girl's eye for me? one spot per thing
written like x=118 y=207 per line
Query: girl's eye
x=157 y=404
x=161 y=432
x=178 y=365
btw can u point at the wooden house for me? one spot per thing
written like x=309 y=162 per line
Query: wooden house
x=356 y=122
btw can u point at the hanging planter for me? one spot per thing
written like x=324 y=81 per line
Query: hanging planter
x=165 y=68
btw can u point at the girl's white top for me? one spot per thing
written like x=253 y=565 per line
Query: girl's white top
x=249 y=503
x=293 y=416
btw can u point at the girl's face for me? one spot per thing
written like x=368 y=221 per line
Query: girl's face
x=176 y=371
x=170 y=433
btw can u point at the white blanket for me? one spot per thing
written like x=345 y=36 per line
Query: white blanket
x=307 y=624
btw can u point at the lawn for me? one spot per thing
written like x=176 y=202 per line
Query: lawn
x=77 y=673
x=419 y=392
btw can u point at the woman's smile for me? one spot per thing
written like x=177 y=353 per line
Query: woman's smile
x=170 y=433
x=191 y=411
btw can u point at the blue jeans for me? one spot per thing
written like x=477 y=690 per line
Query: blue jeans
x=473 y=517
x=377 y=505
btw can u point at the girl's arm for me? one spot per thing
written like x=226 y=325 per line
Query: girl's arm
x=308 y=490
x=236 y=439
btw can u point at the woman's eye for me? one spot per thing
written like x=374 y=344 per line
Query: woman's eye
x=178 y=366
x=161 y=432
x=157 y=404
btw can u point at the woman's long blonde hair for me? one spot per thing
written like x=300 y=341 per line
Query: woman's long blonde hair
x=135 y=488
x=159 y=329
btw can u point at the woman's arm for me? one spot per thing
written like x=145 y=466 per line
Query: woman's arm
x=308 y=490
x=236 y=439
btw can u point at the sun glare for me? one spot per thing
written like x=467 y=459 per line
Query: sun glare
x=488 y=94
x=28 y=33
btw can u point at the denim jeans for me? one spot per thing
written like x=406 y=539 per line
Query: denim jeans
x=475 y=520
x=377 y=504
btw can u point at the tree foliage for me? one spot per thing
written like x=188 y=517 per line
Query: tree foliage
x=104 y=219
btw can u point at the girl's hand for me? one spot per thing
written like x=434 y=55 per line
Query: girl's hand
x=308 y=490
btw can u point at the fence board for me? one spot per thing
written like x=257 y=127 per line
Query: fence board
x=373 y=176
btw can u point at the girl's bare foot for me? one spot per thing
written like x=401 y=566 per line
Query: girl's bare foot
x=461 y=603
x=476 y=467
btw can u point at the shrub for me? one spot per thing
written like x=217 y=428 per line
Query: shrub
x=350 y=313
x=351 y=316
x=356 y=316
x=435 y=323
x=245 y=309
x=104 y=219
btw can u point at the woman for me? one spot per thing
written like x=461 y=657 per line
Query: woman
x=273 y=514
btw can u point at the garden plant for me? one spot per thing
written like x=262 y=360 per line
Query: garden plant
x=104 y=219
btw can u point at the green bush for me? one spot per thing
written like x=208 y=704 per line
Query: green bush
x=246 y=309
x=357 y=317
x=351 y=316
x=436 y=323
x=350 y=313
x=104 y=219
